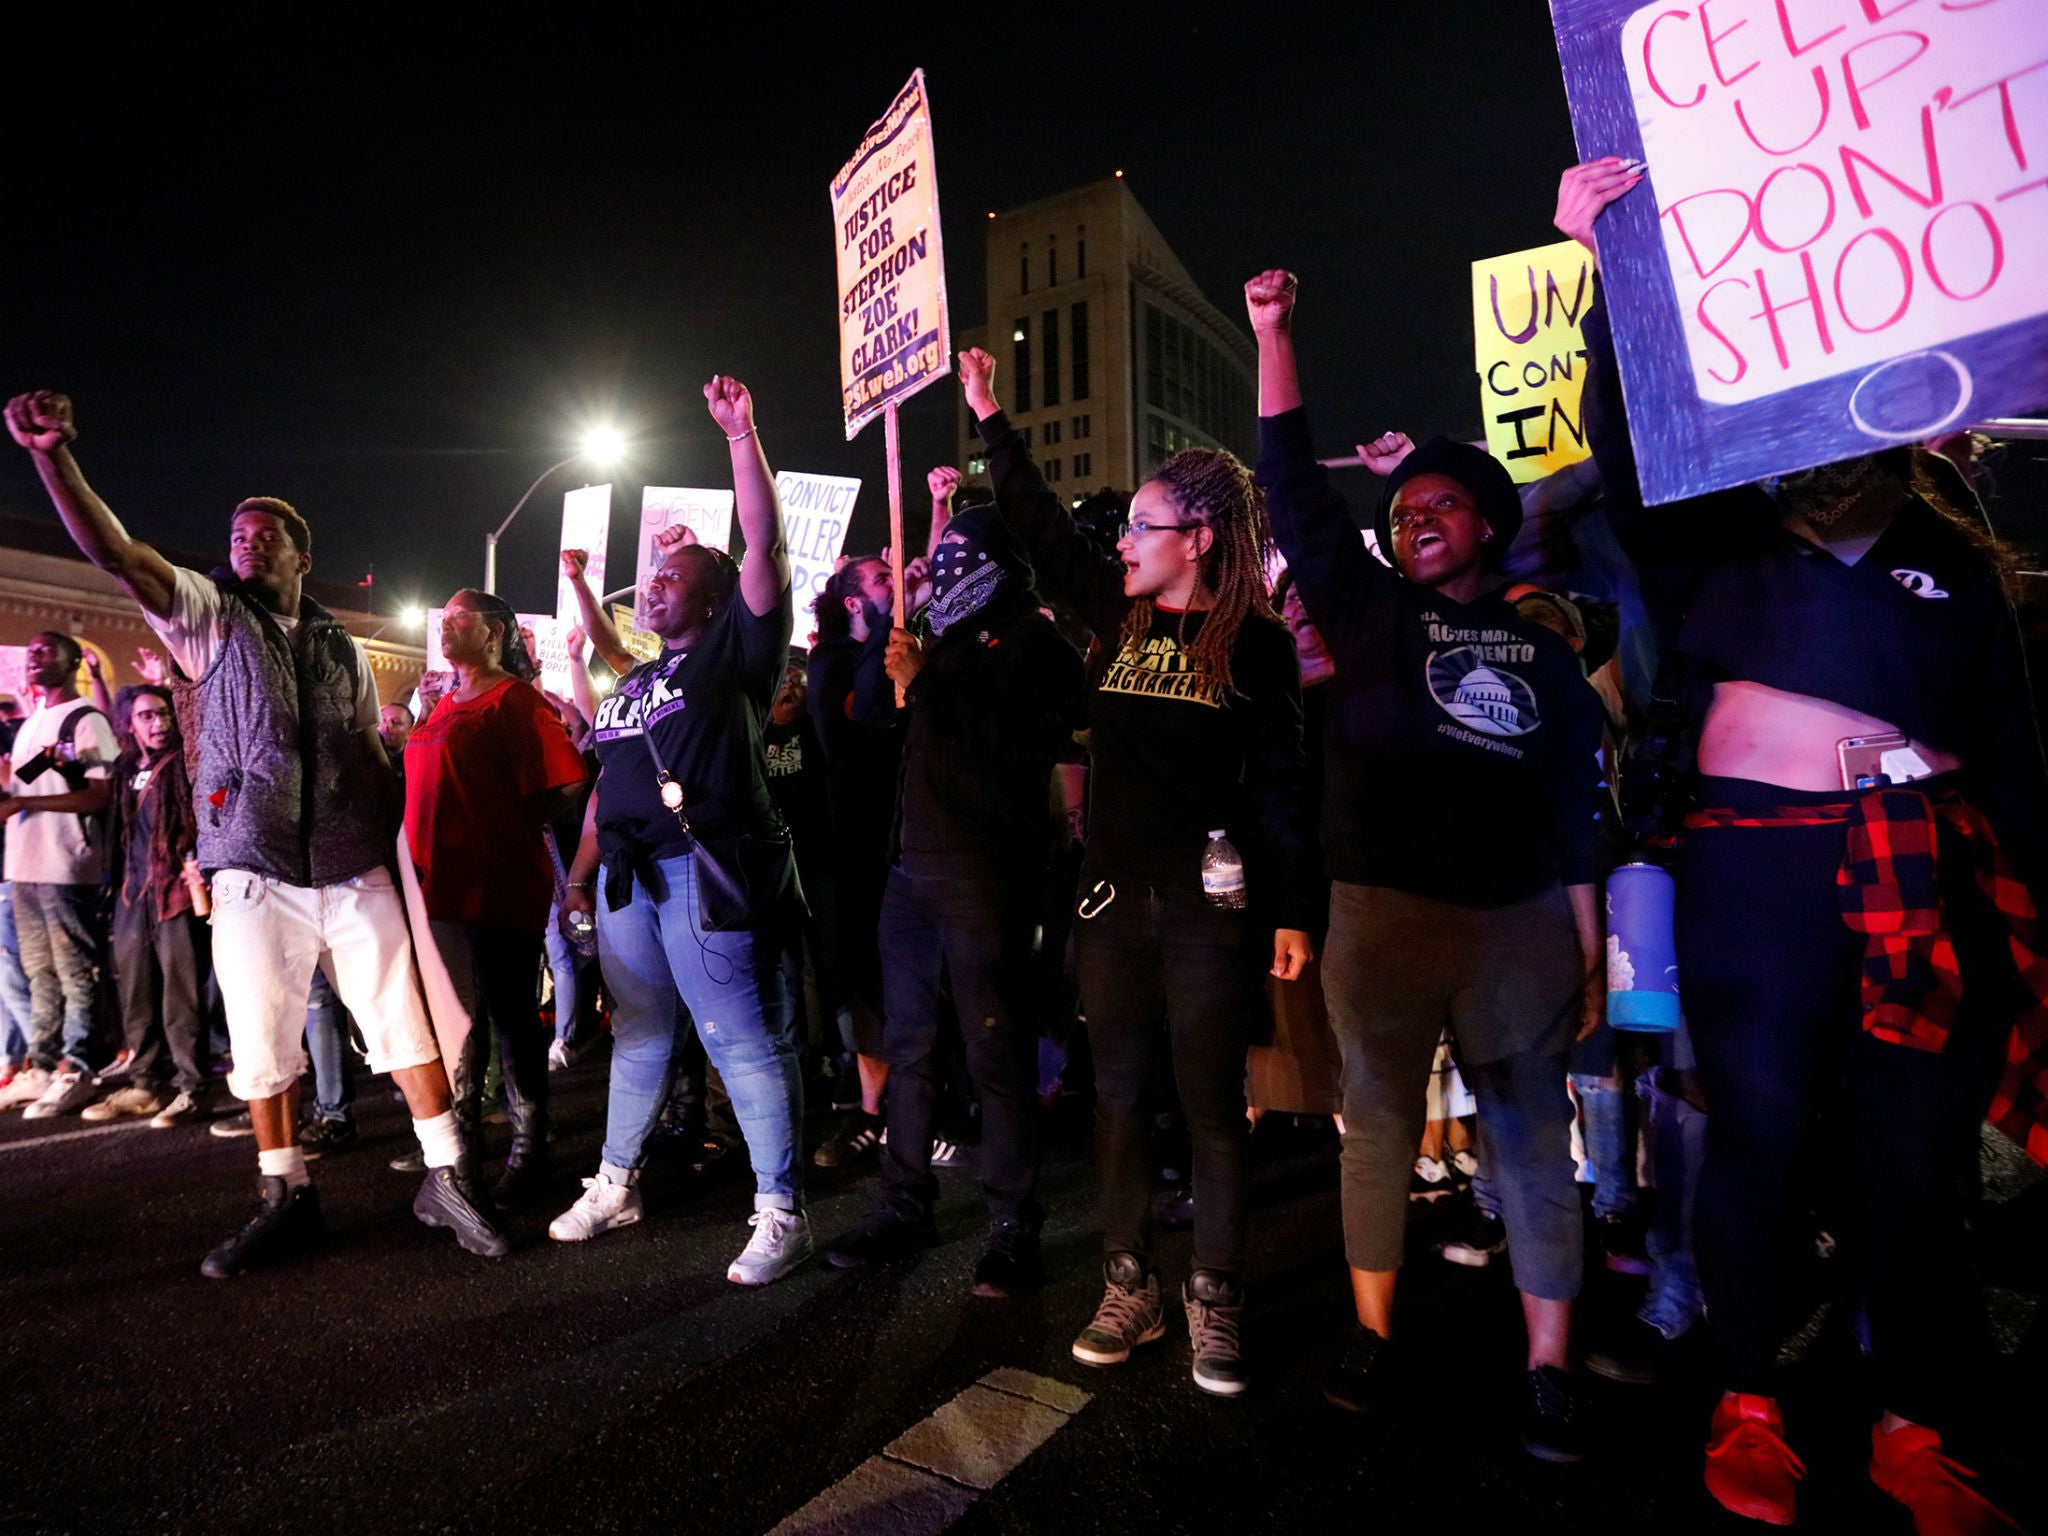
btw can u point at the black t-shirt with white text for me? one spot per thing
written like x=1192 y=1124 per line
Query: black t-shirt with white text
x=708 y=706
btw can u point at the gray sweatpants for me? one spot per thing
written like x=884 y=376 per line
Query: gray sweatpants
x=1396 y=970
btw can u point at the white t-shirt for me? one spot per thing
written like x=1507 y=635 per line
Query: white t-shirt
x=50 y=846
x=193 y=635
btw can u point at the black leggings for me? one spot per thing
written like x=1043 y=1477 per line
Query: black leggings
x=1771 y=981
x=1145 y=964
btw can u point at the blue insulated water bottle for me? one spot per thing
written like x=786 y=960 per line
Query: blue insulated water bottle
x=1642 y=953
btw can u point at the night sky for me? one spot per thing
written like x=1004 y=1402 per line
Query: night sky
x=385 y=261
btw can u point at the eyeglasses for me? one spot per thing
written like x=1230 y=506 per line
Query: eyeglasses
x=1138 y=529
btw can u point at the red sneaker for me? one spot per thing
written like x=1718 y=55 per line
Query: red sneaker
x=1907 y=1464
x=1750 y=1468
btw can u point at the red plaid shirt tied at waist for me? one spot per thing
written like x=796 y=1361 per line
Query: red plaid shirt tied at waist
x=1890 y=892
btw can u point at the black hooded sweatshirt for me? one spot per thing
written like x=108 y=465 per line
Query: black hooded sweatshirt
x=993 y=708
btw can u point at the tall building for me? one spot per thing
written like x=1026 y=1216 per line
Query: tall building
x=1108 y=358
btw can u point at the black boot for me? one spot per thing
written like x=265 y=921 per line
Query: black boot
x=449 y=1198
x=526 y=1164
x=288 y=1222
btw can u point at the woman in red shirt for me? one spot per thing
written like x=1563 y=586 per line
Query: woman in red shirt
x=485 y=774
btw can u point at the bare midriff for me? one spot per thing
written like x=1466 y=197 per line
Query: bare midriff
x=1789 y=739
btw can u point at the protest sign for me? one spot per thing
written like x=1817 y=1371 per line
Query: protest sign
x=893 y=335
x=14 y=674
x=1842 y=243
x=644 y=646
x=586 y=525
x=1531 y=360
x=708 y=514
x=816 y=510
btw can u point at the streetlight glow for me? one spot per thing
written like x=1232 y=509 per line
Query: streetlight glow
x=603 y=445
x=412 y=616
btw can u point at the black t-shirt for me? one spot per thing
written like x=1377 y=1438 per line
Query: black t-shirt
x=1462 y=747
x=707 y=705
x=1174 y=755
x=853 y=709
x=796 y=782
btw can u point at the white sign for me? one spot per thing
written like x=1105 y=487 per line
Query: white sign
x=586 y=525
x=708 y=514
x=893 y=334
x=816 y=512
x=1840 y=185
x=14 y=674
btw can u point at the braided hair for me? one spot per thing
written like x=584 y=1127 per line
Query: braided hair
x=1213 y=487
x=513 y=655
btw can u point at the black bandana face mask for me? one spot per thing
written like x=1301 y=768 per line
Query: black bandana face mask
x=964 y=577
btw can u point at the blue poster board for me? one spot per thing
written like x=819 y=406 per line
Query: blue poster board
x=1841 y=242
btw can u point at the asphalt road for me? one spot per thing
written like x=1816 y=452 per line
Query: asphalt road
x=393 y=1383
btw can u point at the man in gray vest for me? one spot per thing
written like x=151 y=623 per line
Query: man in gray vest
x=297 y=825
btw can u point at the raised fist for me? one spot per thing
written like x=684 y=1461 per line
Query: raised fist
x=672 y=538
x=977 y=372
x=41 y=421
x=1583 y=190
x=1383 y=455
x=730 y=405
x=942 y=482
x=574 y=561
x=92 y=660
x=1269 y=300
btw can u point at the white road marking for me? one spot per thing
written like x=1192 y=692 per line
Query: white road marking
x=925 y=1479
x=134 y=1123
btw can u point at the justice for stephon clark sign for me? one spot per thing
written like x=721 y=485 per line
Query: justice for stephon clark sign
x=893 y=335
x=1842 y=243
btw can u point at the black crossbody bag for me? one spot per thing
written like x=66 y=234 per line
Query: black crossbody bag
x=743 y=882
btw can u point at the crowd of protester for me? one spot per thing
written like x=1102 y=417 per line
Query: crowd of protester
x=1212 y=804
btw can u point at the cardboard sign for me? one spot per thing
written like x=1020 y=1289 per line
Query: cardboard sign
x=1842 y=243
x=586 y=525
x=893 y=334
x=816 y=511
x=1530 y=357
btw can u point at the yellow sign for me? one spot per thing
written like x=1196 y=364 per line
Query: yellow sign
x=644 y=645
x=1531 y=359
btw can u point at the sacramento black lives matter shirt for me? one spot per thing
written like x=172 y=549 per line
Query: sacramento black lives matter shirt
x=1461 y=752
x=1172 y=755
x=708 y=706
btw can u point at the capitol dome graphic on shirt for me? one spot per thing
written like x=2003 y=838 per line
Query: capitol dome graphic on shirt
x=1481 y=695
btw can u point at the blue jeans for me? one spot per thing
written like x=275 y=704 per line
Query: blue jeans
x=562 y=963
x=1603 y=1121
x=653 y=949
x=14 y=1005
x=1678 y=1146
x=327 y=1044
x=55 y=925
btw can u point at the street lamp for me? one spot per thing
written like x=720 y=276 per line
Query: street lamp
x=601 y=445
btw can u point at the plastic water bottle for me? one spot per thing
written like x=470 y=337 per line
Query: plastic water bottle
x=1222 y=872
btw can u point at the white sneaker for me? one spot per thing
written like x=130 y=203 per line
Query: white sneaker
x=560 y=1056
x=68 y=1092
x=29 y=1084
x=604 y=1205
x=182 y=1110
x=781 y=1241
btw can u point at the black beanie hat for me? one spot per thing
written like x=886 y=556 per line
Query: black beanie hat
x=1493 y=490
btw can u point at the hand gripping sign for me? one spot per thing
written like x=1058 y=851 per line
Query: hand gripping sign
x=1842 y=243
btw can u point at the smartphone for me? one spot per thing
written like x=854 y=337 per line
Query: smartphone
x=1862 y=759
